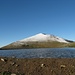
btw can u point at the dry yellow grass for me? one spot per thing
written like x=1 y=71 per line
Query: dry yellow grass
x=36 y=45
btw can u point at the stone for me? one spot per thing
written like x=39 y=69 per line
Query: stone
x=51 y=70
x=13 y=74
x=13 y=57
x=62 y=66
x=13 y=63
x=42 y=65
x=16 y=65
x=4 y=60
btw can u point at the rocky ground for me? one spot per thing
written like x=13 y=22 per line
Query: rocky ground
x=37 y=66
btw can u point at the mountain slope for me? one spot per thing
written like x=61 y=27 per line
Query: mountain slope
x=38 y=41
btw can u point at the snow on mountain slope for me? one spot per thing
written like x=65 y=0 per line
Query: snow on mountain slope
x=43 y=38
x=38 y=41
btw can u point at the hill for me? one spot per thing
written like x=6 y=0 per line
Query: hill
x=40 y=40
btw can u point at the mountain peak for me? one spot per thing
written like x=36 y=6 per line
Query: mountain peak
x=45 y=34
x=42 y=37
x=41 y=34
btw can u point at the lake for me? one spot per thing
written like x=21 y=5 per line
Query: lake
x=40 y=53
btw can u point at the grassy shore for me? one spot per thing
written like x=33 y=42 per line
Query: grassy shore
x=37 y=66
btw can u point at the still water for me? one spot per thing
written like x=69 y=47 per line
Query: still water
x=40 y=53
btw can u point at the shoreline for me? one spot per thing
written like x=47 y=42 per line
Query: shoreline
x=37 y=66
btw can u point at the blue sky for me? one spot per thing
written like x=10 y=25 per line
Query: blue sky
x=23 y=18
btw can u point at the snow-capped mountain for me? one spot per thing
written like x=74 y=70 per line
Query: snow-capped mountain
x=41 y=37
x=38 y=41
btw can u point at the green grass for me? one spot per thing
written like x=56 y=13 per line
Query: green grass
x=71 y=45
x=36 y=45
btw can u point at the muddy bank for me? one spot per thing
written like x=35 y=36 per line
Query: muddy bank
x=37 y=66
